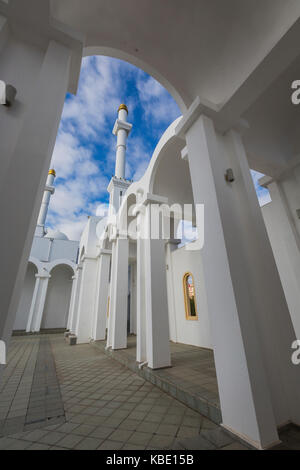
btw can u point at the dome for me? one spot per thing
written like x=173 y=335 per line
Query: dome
x=56 y=235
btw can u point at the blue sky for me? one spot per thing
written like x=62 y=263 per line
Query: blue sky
x=84 y=154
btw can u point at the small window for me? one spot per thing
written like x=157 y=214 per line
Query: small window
x=189 y=297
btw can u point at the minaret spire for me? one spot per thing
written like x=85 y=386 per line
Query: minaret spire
x=121 y=129
x=119 y=185
x=49 y=190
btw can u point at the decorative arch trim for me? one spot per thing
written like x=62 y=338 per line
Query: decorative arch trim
x=190 y=304
x=61 y=262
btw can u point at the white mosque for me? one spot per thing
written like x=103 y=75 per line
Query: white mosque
x=46 y=292
x=232 y=68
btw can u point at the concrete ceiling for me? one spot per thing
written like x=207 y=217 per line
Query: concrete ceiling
x=238 y=55
x=203 y=47
x=235 y=54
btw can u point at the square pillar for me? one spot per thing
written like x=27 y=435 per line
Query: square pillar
x=28 y=131
x=101 y=304
x=229 y=265
x=133 y=300
x=157 y=317
x=285 y=240
x=73 y=314
x=74 y=299
x=85 y=314
x=141 y=338
x=117 y=334
x=38 y=304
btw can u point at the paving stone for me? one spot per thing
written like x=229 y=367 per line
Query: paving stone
x=186 y=431
x=67 y=427
x=140 y=438
x=37 y=446
x=217 y=436
x=167 y=429
x=234 y=446
x=132 y=447
x=5 y=442
x=102 y=432
x=52 y=437
x=197 y=443
x=121 y=435
x=130 y=424
x=160 y=442
x=84 y=429
x=154 y=417
x=69 y=441
x=147 y=426
x=88 y=443
x=110 y=445
x=18 y=445
x=34 y=436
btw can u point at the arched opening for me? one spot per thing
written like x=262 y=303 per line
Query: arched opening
x=58 y=297
x=26 y=298
x=190 y=305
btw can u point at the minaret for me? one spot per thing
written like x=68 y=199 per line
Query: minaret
x=49 y=190
x=119 y=185
x=121 y=130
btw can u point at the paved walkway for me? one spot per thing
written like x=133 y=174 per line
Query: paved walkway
x=54 y=396
x=191 y=379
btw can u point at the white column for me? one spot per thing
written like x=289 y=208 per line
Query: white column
x=170 y=247
x=247 y=307
x=72 y=301
x=85 y=315
x=141 y=339
x=117 y=337
x=157 y=318
x=101 y=304
x=285 y=243
x=33 y=304
x=75 y=304
x=38 y=304
x=111 y=296
x=133 y=299
x=26 y=158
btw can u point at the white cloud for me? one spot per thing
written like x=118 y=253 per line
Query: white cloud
x=159 y=106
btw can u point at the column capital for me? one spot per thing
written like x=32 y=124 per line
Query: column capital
x=265 y=181
x=43 y=276
x=122 y=125
x=173 y=241
x=150 y=198
x=105 y=252
x=221 y=120
x=87 y=257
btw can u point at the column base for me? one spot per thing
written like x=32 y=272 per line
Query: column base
x=246 y=439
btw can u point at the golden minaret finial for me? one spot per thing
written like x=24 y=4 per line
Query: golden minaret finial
x=123 y=106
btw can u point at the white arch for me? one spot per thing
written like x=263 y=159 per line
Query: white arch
x=137 y=62
x=61 y=262
x=37 y=263
x=145 y=184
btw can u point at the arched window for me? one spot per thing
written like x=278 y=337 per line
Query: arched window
x=189 y=297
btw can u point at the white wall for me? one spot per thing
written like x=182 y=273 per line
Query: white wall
x=47 y=250
x=58 y=298
x=194 y=332
x=26 y=298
